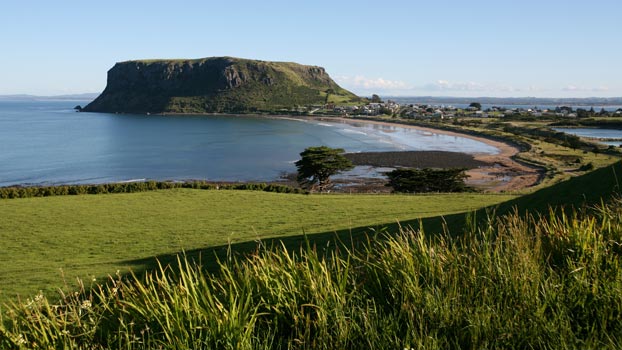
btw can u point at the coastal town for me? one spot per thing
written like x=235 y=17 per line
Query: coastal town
x=473 y=110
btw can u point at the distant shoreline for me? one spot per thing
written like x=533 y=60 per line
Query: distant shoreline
x=526 y=100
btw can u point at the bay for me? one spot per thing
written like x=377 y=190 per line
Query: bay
x=612 y=137
x=47 y=142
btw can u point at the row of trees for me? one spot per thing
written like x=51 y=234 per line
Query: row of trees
x=318 y=164
x=134 y=187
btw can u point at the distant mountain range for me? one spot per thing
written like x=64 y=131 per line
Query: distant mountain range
x=536 y=101
x=75 y=97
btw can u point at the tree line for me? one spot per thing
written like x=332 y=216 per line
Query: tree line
x=133 y=187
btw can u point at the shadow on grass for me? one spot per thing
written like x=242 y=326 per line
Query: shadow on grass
x=583 y=192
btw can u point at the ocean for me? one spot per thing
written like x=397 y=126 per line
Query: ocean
x=48 y=143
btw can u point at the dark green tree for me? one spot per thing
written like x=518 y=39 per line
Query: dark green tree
x=476 y=105
x=318 y=164
x=582 y=113
x=375 y=99
x=385 y=111
x=410 y=180
x=328 y=93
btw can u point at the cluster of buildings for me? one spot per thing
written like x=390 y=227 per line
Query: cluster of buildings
x=417 y=111
x=370 y=109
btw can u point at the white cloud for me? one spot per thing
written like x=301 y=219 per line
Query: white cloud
x=381 y=84
x=575 y=88
x=571 y=88
x=445 y=85
x=363 y=85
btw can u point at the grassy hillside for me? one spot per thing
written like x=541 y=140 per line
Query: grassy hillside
x=92 y=236
x=579 y=192
x=513 y=283
x=507 y=281
x=46 y=239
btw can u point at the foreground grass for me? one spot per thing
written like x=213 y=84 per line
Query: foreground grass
x=511 y=282
x=47 y=239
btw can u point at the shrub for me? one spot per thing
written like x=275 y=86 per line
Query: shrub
x=410 y=180
x=586 y=167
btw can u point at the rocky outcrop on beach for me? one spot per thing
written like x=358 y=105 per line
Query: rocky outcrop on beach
x=214 y=85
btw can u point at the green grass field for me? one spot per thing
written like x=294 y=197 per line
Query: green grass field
x=513 y=282
x=46 y=240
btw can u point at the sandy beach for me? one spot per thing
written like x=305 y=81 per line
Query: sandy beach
x=501 y=172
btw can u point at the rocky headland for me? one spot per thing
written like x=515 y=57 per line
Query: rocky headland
x=216 y=85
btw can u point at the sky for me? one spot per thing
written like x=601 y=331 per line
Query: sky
x=501 y=48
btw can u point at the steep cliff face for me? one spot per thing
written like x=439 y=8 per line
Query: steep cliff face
x=218 y=84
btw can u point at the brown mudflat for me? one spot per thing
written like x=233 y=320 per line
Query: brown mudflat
x=416 y=159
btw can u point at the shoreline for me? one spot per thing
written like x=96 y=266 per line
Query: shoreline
x=501 y=174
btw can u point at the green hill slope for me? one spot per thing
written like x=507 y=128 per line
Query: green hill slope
x=550 y=283
x=579 y=192
x=159 y=225
x=213 y=85
x=584 y=191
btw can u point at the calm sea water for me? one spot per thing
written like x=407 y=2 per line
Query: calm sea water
x=46 y=142
x=596 y=134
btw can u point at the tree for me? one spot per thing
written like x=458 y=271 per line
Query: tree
x=476 y=105
x=385 y=111
x=409 y=180
x=582 y=113
x=375 y=99
x=328 y=93
x=317 y=164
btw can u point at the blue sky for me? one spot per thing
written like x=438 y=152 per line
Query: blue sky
x=545 y=48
